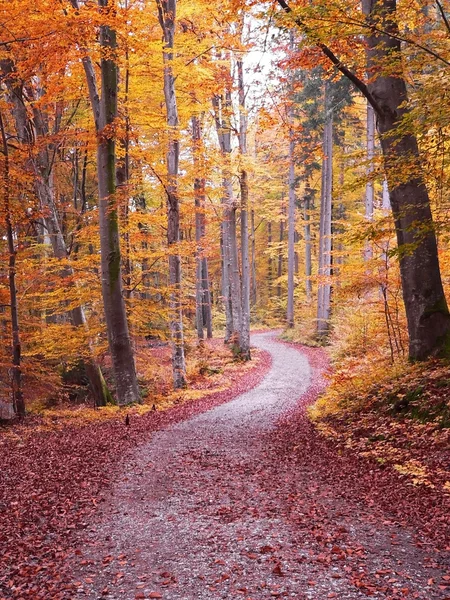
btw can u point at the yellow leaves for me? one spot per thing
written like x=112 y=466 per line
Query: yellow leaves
x=415 y=471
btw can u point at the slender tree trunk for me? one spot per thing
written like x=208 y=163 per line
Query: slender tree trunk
x=243 y=181
x=291 y=234
x=324 y=272
x=167 y=15
x=308 y=243
x=291 y=216
x=207 y=309
x=253 y=289
x=231 y=274
x=369 y=200
x=16 y=378
x=426 y=307
x=203 y=296
x=226 y=286
x=270 y=259
x=236 y=290
x=280 y=255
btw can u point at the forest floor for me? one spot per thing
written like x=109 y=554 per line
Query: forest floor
x=234 y=496
x=248 y=501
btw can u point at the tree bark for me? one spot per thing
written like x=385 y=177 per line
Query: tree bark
x=425 y=303
x=253 y=288
x=18 y=401
x=369 y=199
x=167 y=16
x=270 y=259
x=202 y=292
x=280 y=254
x=324 y=271
x=231 y=276
x=308 y=243
x=291 y=233
x=243 y=182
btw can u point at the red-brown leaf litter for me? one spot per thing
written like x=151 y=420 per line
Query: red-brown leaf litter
x=51 y=483
x=240 y=509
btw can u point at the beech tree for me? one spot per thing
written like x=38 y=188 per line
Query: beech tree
x=425 y=303
x=202 y=290
x=243 y=182
x=167 y=16
x=230 y=273
x=104 y=108
x=18 y=401
x=325 y=240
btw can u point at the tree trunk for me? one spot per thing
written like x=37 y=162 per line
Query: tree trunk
x=369 y=173
x=324 y=271
x=207 y=309
x=253 y=289
x=226 y=287
x=231 y=275
x=308 y=243
x=113 y=301
x=426 y=307
x=18 y=401
x=243 y=182
x=280 y=254
x=385 y=199
x=291 y=233
x=167 y=15
x=202 y=295
x=270 y=259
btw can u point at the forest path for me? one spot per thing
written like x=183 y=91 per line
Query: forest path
x=210 y=509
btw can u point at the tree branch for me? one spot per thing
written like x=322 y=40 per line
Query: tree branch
x=358 y=83
x=443 y=15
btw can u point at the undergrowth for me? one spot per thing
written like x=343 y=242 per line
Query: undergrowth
x=398 y=417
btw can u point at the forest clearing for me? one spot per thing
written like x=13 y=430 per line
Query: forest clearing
x=225 y=337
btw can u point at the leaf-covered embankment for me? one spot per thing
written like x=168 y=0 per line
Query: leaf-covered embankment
x=392 y=453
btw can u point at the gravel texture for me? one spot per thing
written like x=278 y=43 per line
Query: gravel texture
x=209 y=510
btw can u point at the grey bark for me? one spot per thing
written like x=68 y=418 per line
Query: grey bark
x=426 y=307
x=243 y=181
x=291 y=217
x=253 y=289
x=167 y=16
x=280 y=254
x=270 y=258
x=202 y=291
x=231 y=275
x=291 y=233
x=385 y=198
x=324 y=270
x=18 y=401
x=369 y=199
x=308 y=243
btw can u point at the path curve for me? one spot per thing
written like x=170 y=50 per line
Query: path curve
x=200 y=513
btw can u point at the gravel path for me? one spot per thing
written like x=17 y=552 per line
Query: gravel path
x=204 y=511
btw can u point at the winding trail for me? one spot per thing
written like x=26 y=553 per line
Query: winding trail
x=208 y=510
